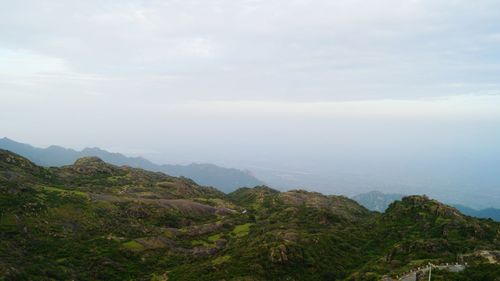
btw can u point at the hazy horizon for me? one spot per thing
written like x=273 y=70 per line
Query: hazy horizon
x=336 y=96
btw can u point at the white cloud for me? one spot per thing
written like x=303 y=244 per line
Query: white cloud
x=244 y=50
x=24 y=62
x=453 y=107
x=493 y=37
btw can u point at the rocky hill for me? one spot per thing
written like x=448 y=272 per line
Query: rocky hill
x=95 y=221
x=225 y=179
x=378 y=201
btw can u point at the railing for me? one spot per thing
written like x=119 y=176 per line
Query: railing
x=428 y=268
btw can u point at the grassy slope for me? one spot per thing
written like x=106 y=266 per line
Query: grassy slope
x=94 y=221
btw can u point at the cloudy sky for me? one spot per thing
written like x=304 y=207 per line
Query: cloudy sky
x=317 y=87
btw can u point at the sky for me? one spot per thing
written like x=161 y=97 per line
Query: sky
x=336 y=96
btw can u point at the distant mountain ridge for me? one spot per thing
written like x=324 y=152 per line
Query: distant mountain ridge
x=491 y=213
x=378 y=201
x=225 y=179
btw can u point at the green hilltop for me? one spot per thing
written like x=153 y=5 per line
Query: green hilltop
x=96 y=221
x=225 y=179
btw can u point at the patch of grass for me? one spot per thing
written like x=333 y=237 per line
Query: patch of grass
x=241 y=230
x=61 y=260
x=169 y=234
x=60 y=190
x=214 y=237
x=200 y=243
x=106 y=205
x=7 y=219
x=256 y=206
x=221 y=260
x=133 y=245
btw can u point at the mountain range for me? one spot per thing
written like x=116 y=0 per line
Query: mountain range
x=491 y=213
x=378 y=201
x=225 y=179
x=92 y=220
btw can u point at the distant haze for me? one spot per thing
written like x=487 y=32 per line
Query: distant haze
x=336 y=96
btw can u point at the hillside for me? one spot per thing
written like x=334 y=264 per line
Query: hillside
x=378 y=201
x=225 y=179
x=90 y=220
x=95 y=221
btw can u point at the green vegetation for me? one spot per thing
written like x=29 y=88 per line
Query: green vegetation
x=65 y=191
x=95 y=221
x=205 y=174
x=241 y=230
x=220 y=260
x=133 y=245
x=213 y=238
